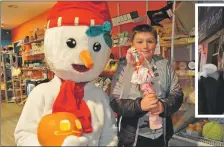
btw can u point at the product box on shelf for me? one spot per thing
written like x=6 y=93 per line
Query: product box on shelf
x=195 y=129
x=39 y=33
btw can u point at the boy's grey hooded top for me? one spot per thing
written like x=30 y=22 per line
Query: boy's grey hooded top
x=129 y=108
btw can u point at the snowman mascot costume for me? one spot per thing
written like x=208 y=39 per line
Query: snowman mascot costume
x=77 y=48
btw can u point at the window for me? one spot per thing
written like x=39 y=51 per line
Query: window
x=208 y=9
x=213 y=48
x=201 y=13
x=199 y=61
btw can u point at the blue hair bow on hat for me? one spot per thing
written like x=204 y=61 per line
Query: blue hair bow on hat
x=104 y=29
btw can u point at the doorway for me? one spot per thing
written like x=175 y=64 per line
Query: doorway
x=213 y=49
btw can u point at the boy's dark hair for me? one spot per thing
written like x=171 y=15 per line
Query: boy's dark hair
x=143 y=28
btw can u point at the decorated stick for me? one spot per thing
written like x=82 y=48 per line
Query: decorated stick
x=143 y=77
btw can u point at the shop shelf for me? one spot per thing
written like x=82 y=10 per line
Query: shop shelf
x=38 y=40
x=107 y=73
x=34 y=69
x=199 y=141
x=185 y=73
x=11 y=101
x=33 y=54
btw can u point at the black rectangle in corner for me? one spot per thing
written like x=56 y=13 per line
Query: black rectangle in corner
x=134 y=14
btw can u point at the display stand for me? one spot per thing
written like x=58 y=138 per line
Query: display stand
x=182 y=139
x=19 y=90
x=7 y=63
x=3 y=82
x=34 y=68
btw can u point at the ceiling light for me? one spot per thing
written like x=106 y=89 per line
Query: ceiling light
x=12 y=6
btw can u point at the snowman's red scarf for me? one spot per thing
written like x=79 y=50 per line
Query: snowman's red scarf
x=70 y=99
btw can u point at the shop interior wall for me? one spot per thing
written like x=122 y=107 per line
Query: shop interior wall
x=21 y=31
x=184 y=52
x=25 y=29
x=210 y=39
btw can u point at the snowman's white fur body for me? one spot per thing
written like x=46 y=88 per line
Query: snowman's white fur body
x=41 y=99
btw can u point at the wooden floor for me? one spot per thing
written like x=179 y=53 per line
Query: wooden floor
x=10 y=114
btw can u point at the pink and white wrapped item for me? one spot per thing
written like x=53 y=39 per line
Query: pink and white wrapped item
x=143 y=76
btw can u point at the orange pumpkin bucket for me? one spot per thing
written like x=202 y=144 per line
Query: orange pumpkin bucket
x=54 y=128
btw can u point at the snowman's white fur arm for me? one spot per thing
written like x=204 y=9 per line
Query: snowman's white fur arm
x=25 y=132
x=40 y=102
x=109 y=134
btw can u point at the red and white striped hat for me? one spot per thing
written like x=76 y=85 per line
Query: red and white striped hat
x=78 y=13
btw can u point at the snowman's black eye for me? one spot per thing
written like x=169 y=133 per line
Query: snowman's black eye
x=71 y=42
x=96 y=47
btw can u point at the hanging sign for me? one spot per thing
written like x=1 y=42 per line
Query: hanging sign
x=213 y=22
x=124 y=19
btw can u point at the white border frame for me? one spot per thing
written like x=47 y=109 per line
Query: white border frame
x=196 y=59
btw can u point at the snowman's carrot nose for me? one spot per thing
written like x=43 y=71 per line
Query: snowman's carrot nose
x=86 y=58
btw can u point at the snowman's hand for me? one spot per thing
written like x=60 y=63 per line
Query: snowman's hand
x=75 y=141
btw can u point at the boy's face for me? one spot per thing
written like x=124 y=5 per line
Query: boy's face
x=145 y=43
